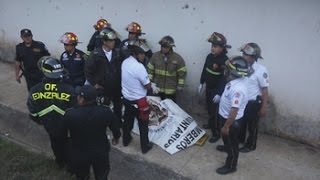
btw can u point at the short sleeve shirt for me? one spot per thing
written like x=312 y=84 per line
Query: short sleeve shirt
x=259 y=79
x=234 y=96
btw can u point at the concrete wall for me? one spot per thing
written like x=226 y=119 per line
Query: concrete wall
x=288 y=32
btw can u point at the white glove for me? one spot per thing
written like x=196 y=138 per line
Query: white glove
x=216 y=98
x=155 y=89
x=200 y=88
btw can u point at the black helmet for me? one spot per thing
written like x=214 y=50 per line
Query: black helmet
x=108 y=34
x=51 y=67
x=167 y=41
x=238 y=67
x=134 y=49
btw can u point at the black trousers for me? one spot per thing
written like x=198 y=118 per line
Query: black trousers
x=81 y=161
x=212 y=108
x=130 y=113
x=168 y=96
x=60 y=146
x=231 y=143
x=250 y=122
x=33 y=79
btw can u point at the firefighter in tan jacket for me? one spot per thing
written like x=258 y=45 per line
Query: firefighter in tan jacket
x=167 y=69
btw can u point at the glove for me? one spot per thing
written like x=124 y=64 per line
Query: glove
x=179 y=88
x=155 y=89
x=216 y=98
x=200 y=88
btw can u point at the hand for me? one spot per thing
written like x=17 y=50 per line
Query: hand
x=216 y=98
x=225 y=131
x=200 y=88
x=262 y=112
x=179 y=88
x=115 y=141
x=18 y=79
x=155 y=89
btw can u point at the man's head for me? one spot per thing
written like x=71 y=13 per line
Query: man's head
x=251 y=52
x=70 y=41
x=108 y=37
x=218 y=43
x=134 y=31
x=86 y=94
x=26 y=36
x=166 y=43
x=137 y=52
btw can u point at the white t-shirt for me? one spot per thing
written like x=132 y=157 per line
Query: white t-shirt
x=108 y=54
x=134 y=77
x=259 y=79
x=234 y=96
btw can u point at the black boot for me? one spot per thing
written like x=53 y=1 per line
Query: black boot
x=225 y=170
x=222 y=148
x=214 y=139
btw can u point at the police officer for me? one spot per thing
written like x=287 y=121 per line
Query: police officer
x=72 y=59
x=212 y=76
x=167 y=69
x=231 y=108
x=27 y=55
x=134 y=33
x=87 y=124
x=258 y=84
x=103 y=71
x=47 y=103
x=95 y=40
x=135 y=83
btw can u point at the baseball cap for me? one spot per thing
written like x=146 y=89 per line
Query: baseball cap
x=25 y=32
x=87 y=91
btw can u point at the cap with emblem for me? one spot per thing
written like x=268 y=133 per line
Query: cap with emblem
x=25 y=32
x=87 y=91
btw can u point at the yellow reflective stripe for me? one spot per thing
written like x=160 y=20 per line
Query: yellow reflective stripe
x=181 y=81
x=164 y=73
x=167 y=91
x=34 y=115
x=212 y=72
x=49 y=109
x=150 y=66
x=184 y=69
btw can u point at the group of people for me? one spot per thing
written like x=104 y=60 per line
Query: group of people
x=236 y=96
x=75 y=94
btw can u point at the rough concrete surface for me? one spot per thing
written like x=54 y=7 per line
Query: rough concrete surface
x=275 y=158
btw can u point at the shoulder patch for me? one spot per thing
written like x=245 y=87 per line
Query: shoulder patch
x=265 y=75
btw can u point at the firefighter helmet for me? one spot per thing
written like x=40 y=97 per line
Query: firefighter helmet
x=218 y=39
x=251 y=49
x=101 y=23
x=69 y=38
x=108 y=34
x=134 y=28
x=238 y=67
x=51 y=67
x=167 y=41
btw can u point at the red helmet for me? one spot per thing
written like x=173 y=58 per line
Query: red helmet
x=69 y=38
x=101 y=23
x=134 y=28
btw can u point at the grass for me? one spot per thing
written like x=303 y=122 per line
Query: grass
x=17 y=163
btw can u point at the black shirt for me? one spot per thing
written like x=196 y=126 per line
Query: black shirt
x=74 y=63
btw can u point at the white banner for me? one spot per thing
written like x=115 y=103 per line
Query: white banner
x=170 y=127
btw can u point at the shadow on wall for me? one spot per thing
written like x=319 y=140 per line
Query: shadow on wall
x=7 y=48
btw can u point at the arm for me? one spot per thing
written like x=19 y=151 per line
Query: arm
x=231 y=118
x=264 y=103
x=150 y=68
x=33 y=109
x=92 y=42
x=202 y=78
x=17 y=71
x=90 y=69
x=181 y=73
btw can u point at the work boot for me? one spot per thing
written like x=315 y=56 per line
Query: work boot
x=148 y=148
x=205 y=126
x=222 y=148
x=214 y=139
x=246 y=149
x=225 y=170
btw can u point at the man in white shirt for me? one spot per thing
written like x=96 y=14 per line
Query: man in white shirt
x=258 y=84
x=231 y=109
x=135 y=83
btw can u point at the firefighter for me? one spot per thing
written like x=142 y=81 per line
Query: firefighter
x=72 y=59
x=95 y=40
x=47 y=103
x=231 y=108
x=27 y=55
x=258 y=84
x=167 y=69
x=103 y=71
x=87 y=124
x=134 y=33
x=212 y=76
x=135 y=83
